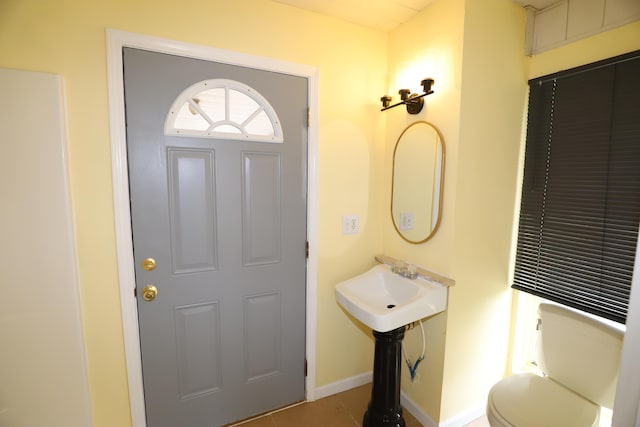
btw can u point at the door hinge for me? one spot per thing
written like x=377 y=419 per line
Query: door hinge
x=306 y=249
x=308 y=117
x=135 y=292
x=305 y=367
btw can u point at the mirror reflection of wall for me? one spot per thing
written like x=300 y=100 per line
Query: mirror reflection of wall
x=418 y=167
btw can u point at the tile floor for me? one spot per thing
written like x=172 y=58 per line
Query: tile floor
x=340 y=410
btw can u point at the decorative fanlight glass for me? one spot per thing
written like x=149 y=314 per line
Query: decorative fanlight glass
x=223 y=109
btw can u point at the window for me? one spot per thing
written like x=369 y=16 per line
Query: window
x=580 y=206
x=224 y=109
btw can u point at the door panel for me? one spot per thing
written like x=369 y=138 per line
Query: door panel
x=198 y=349
x=262 y=331
x=192 y=210
x=225 y=221
x=261 y=216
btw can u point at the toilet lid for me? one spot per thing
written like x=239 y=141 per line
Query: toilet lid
x=527 y=400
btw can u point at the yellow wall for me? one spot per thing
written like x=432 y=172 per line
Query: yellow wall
x=493 y=95
x=67 y=37
x=430 y=45
x=475 y=51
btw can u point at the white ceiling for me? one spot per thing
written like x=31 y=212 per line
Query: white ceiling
x=383 y=15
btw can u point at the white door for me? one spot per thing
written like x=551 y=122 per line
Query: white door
x=224 y=220
x=43 y=373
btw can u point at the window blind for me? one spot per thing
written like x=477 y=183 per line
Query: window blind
x=580 y=205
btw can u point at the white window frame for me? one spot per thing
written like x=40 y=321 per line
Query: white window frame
x=192 y=92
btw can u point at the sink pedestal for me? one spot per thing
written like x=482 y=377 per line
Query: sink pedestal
x=384 y=409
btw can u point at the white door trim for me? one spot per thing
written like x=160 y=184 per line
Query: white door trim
x=116 y=40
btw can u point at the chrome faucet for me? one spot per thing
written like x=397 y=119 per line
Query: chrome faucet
x=405 y=270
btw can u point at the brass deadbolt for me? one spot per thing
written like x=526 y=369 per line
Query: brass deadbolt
x=149 y=264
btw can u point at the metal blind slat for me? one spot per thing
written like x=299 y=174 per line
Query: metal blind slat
x=580 y=205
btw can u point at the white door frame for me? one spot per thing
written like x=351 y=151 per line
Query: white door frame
x=116 y=40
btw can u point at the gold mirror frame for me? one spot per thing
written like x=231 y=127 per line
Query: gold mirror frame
x=436 y=193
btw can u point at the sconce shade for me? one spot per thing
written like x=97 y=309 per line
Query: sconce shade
x=386 y=100
x=426 y=85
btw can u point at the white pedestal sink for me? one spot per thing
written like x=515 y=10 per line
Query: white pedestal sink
x=387 y=302
x=384 y=300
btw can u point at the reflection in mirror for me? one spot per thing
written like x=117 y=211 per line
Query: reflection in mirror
x=418 y=175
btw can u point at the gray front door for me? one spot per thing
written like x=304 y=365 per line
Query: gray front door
x=225 y=223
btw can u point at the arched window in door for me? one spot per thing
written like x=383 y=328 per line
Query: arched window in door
x=223 y=109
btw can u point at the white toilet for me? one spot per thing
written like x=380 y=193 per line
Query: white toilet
x=579 y=357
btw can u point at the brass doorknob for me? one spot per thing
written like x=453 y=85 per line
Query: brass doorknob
x=149 y=293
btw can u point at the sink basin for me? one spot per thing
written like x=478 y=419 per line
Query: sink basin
x=384 y=300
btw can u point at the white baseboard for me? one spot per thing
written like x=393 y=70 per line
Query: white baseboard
x=418 y=414
x=465 y=417
x=409 y=405
x=344 y=385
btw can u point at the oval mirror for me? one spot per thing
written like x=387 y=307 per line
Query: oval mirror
x=418 y=175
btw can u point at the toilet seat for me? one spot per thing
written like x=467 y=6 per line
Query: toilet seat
x=528 y=400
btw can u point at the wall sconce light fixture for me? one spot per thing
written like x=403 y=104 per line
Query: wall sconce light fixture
x=413 y=101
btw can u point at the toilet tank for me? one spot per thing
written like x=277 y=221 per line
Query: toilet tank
x=579 y=352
